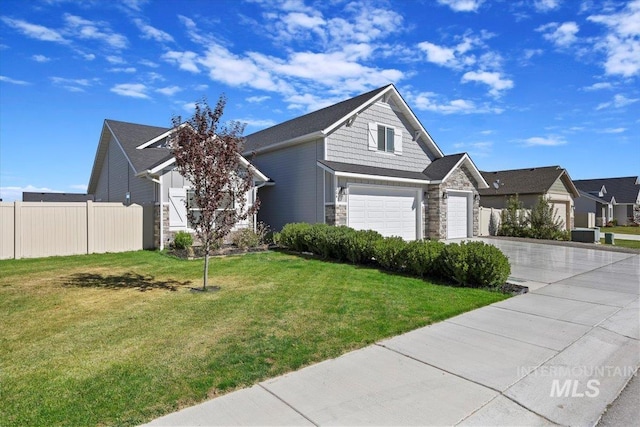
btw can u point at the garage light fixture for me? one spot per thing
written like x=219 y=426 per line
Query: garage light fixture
x=445 y=195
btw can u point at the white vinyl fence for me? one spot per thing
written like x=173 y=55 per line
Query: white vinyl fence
x=41 y=229
x=487 y=227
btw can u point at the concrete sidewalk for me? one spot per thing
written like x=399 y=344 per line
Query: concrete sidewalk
x=558 y=355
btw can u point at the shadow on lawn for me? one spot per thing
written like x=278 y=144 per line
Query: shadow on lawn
x=123 y=281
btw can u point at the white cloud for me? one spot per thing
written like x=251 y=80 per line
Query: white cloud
x=257 y=123
x=613 y=130
x=13 y=81
x=152 y=33
x=90 y=30
x=35 y=31
x=184 y=60
x=462 y=5
x=41 y=58
x=477 y=149
x=438 y=54
x=548 y=141
x=546 y=5
x=428 y=101
x=494 y=80
x=599 y=86
x=257 y=99
x=622 y=42
x=133 y=90
x=128 y=70
x=562 y=35
x=113 y=59
x=460 y=55
x=619 y=101
x=79 y=187
x=169 y=90
x=148 y=63
x=72 y=85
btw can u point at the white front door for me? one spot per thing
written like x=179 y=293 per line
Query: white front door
x=457 y=216
x=389 y=211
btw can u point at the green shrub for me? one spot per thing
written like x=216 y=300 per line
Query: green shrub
x=182 y=240
x=246 y=238
x=474 y=264
x=293 y=236
x=316 y=238
x=390 y=253
x=513 y=220
x=361 y=246
x=545 y=224
x=488 y=266
x=422 y=257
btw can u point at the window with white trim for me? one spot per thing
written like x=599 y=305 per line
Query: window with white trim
x=385 y=138
x=228 y=202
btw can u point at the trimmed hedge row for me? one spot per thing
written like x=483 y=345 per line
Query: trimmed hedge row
x=472 y=264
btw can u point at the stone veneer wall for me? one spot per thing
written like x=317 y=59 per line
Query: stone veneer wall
x=335 y=214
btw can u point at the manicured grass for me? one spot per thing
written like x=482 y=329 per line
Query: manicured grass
x=621 y=230
x=631 y=244
x=119 y=339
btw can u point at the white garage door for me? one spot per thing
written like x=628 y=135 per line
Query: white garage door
x=560 y=210
x=389 y=211
x=457 y=217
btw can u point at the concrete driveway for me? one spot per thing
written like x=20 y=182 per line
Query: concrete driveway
x=558 y=355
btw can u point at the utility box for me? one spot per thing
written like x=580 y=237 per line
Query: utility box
x=609 y=239
x=585 y=235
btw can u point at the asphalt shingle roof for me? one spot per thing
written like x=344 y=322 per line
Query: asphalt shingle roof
x=436 y=171
x=131 y=135
x=624 y=189
x=307 y=124
x=521 y=181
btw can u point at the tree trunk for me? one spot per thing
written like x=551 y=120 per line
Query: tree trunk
x=206 y=266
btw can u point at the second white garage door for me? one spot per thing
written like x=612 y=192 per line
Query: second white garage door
x=457 y=216
x=389 y=211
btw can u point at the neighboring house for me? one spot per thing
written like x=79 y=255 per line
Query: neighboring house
x=133 y=164
x=367 y=163
x=28 y=196
x=610 y=198
x=551 y=182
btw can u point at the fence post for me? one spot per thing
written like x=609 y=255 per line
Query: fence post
x=90 y=229
x=17 y=230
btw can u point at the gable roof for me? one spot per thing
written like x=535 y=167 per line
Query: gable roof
x=526 y=181
x=623 y=190
x=321 y=122
x=136 y=142
x=437 y=171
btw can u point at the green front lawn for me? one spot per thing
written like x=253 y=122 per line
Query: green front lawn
x=620 y=229
x=119 y=339
x=631 y=244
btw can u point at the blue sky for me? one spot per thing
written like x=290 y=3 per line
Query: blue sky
x=516 y=83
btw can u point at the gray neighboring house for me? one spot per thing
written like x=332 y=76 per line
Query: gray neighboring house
x=133 y=164
x=609 y=199
x=551 y=182
x=30 y=196
x=367 y=163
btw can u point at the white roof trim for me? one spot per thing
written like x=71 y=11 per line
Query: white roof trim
x=243 y=161
x=157 y=138
x=474 y=171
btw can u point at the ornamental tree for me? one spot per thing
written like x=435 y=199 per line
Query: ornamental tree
x=208 y=155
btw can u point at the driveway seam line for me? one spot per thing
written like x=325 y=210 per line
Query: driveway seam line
x=546 y=317
x=289 y=405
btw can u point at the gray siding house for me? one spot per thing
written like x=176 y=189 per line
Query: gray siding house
x=368 y=163
x=133 y=164
x=610 y=199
